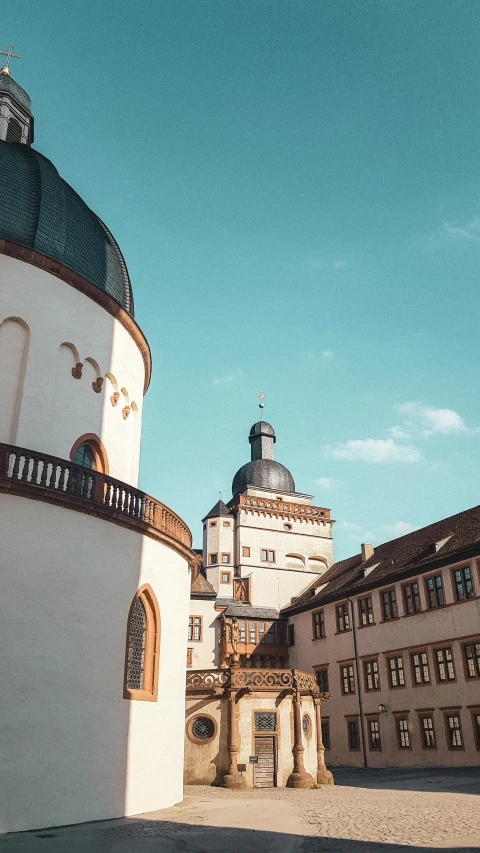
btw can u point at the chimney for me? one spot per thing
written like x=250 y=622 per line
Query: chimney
x=367 y=552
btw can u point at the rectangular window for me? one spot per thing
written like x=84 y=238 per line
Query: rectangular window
x=322 y=680
x=242 y=630
x=374 y=739
x=365 y=611
x=318 y=619
x=471 y=652
x=403 y=733
x=226 y=558
x=396 y=672
x=343 y=618
x=252 y=633
x=444 y=664
x=291 y=635
x=213 y=524
x=213 y=559
x=347 y=679
x=462 y=579
x=189 y=658
x=261 y=631
x=326 y=733
x=454 y=732
x=353 y=734
x=421 y=672
x=476 y=727
x=226 y=577
x=245 y=551
x=267 y=556
x=194 y=629
x=435 y=592
x=226 y=524
x=427 y=731
x=389 y=605
x=372 y=678
x=411 y=598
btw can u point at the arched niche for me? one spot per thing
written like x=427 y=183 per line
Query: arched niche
x=14 y=347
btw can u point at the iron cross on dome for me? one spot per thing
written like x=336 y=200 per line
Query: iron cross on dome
x=10 y=55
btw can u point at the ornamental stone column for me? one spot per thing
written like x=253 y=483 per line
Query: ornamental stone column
x=299 y=778
x=324 y=776
x=233 y=779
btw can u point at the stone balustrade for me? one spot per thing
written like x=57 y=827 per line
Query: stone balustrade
x=30 y=473
x=238 y=678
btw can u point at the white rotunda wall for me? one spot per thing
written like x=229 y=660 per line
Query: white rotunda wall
x=46 y=328
x=73 y=748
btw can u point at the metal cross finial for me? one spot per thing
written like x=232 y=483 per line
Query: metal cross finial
x=261 y=405
x=10 y=55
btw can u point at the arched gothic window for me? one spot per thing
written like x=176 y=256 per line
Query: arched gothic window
x=143 y=647
x=84 y=455
x=90 y=452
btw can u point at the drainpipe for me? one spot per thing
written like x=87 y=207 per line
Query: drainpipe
x=359 y=683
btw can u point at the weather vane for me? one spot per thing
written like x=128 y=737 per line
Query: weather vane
x=10 y=55
x=261 y=404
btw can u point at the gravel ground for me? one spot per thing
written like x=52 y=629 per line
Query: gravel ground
x=365 y=812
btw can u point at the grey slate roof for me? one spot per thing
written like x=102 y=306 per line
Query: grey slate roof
x=265 y=473
x=247 y=611
x=40 y=211
x=8 y=84
x=217 y=511
x=400 y=558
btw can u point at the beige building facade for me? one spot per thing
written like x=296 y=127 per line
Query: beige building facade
x=394 y=636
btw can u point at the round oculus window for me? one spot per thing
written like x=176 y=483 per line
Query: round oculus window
x=287 y=526
x=203 y=728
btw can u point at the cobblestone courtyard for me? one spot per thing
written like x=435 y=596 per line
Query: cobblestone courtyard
x=366 y=811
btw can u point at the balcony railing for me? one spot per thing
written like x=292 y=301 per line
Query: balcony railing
x=43 y=477
x=237 y=678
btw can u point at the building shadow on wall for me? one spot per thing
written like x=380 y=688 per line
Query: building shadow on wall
x=451 y=780
x=134 y=834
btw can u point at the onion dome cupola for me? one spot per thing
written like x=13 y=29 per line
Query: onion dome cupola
x=262 y=471
x=39 y=211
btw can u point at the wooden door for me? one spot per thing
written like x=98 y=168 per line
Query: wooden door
x=264 y=775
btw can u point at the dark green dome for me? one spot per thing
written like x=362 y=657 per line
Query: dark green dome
x=40 y=211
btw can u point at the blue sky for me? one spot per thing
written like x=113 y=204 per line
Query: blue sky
x=295 y=188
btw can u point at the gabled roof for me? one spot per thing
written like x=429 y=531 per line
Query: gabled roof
x=447 y=541
x=200 y=586
x=218 y=510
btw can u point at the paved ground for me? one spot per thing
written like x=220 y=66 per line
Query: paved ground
x=366 y=812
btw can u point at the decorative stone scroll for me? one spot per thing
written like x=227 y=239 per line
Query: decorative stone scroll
x=200 y=680
x=262 y=679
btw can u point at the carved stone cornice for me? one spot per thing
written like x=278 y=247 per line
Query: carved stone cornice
x=281 y=509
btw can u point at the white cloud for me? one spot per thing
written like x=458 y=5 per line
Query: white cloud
x=327 y=355
x=398 y=432
x=470 y=231
x=400 y=528
x=430 y=420
x=328 y=483
x=228 y=379
x=373 y=450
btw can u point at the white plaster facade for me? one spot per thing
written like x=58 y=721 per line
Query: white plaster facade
x=73 y=748
x=46 y=326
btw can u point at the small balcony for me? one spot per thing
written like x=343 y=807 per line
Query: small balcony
x=40 y=476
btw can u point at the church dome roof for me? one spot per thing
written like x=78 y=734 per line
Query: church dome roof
x=40 y=211
x=265 y=474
